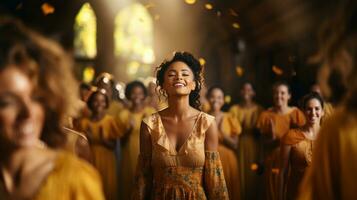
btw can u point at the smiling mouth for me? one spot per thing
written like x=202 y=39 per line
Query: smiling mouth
x=179 y=85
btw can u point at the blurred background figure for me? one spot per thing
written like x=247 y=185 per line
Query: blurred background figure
x=129 y=121
x=102 y=131
x=334 y=161
x=247 y=113
x=297 y=147
x=37 y=94
x=273 y=124
x=229 y=130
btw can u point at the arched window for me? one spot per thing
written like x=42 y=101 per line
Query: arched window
x=85 y=33
x=133 y=38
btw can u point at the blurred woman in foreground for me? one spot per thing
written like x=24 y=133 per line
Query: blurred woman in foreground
x=35 y=96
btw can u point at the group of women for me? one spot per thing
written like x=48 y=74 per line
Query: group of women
x=133 y=151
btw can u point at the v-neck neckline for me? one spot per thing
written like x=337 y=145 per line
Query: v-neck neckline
x=187 y=138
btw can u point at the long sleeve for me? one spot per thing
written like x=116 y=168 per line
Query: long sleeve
x=214 y=182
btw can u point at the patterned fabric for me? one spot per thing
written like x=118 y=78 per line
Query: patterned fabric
x=187 y=174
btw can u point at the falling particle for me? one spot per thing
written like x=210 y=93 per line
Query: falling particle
x=233 y=12
x=227 y=99
x=277 y=70
x=239 y=71
x=254 y=167
x=236 y=25
x=47 y=8
x=202 y=61
x=275 y=170
x=157 y=17
x=88 y=74
x=190 y=1
x=208 y=6
x=219 y=13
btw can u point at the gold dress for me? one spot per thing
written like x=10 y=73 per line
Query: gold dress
x=230 y=126
x=299 y=160
x=70 y=178
x=129 y=148
x=332 y=174
x=188 y=174
x=282 y=124
x=248 y=149
x=104 y=158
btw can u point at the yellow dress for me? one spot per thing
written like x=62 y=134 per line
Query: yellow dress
x=248 y=150
x=230 y=126
x=129 y=149
x=300 y=158
x=332 y=174
x=282 y=124
x=104 y=158
x=70 y=178
x=188 y=174
x=114 y=108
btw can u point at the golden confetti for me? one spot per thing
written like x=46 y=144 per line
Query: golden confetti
x=275 y=170
x=202 y=61
x=239 y=71
x=236 y=25
x=190 y=1
x=88 y=74
x=208 y=6
x=254 y=167
x=47 y=8
x=277 y=70
x=233 y=12
x=157 y=17
x=227 y=99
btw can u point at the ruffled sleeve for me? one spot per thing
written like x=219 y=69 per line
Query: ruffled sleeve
x=297 y=118
x=263 y=123
x=231 y=125
x=214 y=182
x=294 y=136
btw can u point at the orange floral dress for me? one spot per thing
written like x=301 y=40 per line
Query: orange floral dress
x=188 y=174
x=299 y=160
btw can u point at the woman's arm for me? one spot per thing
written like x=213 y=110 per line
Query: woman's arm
x=143 y=177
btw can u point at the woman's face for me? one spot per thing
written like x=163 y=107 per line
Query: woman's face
x=216 y=99
x=313 y=111
x=281 y=95
x=137 y=95
x=179 y=79
x=99 y=103
x=247 y=92
x=21 y=114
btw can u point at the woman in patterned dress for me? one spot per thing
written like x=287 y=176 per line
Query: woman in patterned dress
x=178 y=145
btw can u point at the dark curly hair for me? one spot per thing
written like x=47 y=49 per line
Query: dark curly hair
x=311 y=95
x=196 y=68
x=130 y=86
x=92 y=96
